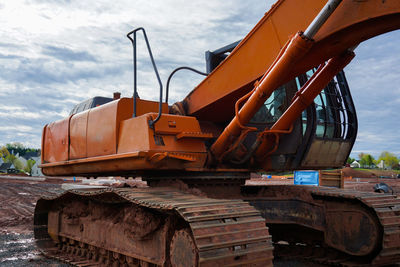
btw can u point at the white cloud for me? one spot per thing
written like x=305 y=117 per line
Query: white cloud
x=17 y=128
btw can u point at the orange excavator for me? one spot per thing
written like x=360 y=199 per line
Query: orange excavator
x=276 y=100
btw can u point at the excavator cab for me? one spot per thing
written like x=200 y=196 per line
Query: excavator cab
x=322 y=137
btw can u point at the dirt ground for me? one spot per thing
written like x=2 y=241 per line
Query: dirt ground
x=350 y=172
x=18 y=197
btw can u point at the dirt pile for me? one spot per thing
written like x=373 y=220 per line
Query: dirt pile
x=350 y=172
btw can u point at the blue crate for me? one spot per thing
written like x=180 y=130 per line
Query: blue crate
x=306 y=178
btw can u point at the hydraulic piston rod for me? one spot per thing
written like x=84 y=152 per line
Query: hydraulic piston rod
x=292 y=53
x=305 y=97
x=322 y=17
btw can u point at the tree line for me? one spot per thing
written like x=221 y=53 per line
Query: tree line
x=367 y=160
x=8 y=155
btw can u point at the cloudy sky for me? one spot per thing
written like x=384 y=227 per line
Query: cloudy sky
x=56 y=53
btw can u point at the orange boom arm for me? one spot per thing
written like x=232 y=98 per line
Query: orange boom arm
x=353 y=22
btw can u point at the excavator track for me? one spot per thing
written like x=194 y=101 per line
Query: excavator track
x=160 y=227
x=374 y=219
x=387 y=210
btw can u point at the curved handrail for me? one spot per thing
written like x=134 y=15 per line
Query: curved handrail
x=133 y=40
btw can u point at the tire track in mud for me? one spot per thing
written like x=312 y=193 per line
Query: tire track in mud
x=17 y=246
x=18 y=200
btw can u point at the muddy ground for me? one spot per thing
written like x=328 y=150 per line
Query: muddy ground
x=18 y=196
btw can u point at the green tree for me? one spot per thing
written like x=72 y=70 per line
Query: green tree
x=10 y=158
x=29 y=165
x=4 y=152
x=350 y=160
x=18 y=165
x=389 y=159
x=16 y=162
x=19 y=148
x=366 y=160
x=16 y=147
x=370 y=160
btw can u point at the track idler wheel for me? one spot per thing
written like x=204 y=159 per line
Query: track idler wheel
x=183 y=250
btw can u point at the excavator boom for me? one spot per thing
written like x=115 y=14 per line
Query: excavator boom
x=352 y=23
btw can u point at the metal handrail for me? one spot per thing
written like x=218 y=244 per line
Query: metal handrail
x=133 y=40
